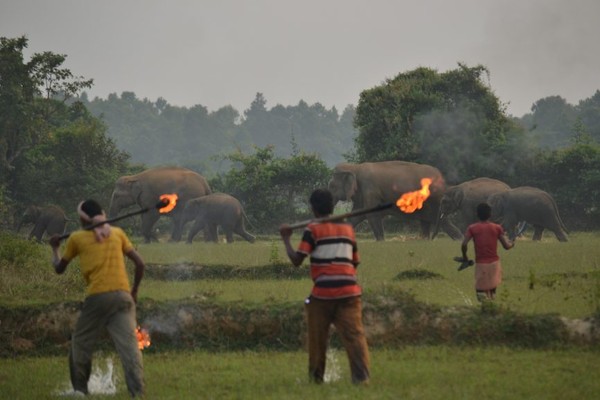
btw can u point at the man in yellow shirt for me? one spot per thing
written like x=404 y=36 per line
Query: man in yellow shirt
x=110 y=302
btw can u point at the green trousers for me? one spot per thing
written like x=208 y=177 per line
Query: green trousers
x=115 y=312
x=346 y=316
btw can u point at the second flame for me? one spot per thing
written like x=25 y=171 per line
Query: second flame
x=413 y=201
x=171 y=200
x=143 y=338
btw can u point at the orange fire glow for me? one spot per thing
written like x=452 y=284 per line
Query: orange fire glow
x=413 y=201
x=172 y=202
x=143 y=338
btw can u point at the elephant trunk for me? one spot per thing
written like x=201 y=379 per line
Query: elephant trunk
x=438 y=220
x=115 y=207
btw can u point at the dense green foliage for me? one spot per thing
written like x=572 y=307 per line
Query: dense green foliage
x=553 y=123
x=572 y=175
x=57 y=146
x=451 y=120
x=273 y=189
x=52 y=151
x=156 y=133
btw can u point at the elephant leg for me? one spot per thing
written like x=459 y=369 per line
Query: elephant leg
x=148 y=221
x=239 y=229
x=211 y=233
x=198 y=225
x=425 y=229
x=538 y=232
x=228 y=234
x=37 y=232
x=376 y=224
x=177 y=228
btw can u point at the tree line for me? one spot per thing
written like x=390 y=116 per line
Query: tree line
x=57 y=145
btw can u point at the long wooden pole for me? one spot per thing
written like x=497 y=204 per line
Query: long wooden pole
x=159 y=205
x=332 y=218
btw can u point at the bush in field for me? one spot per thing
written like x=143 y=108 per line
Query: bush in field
x=273 y=189
x=26 y=273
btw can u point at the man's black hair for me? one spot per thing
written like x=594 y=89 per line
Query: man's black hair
x=484 y=211
x=321 y=201
x=91 y=208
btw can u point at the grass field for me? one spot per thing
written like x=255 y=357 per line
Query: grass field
x=409 y=373
x=539 y=278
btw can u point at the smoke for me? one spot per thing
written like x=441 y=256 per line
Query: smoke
x=333 y=369
x=449 y=141
x=101 y=381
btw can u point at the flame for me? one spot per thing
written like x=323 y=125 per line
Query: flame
x=172 y=202
x=143 y=338
x=413 y=201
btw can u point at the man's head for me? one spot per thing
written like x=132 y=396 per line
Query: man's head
x=89 y=209
x=321 y=202
x=484 y=211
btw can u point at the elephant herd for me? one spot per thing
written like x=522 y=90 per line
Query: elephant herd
x=369 y=184
x=366 y=185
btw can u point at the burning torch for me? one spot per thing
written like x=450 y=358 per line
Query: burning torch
x=408 y=203
x=166 y=204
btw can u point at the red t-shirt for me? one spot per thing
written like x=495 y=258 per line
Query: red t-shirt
x=485 y=236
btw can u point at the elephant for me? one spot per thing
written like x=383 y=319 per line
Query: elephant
x=372 y=183
x=51 y=220
x=464 y=198
x=216 y=209
x=529 y=204
x=145 y=188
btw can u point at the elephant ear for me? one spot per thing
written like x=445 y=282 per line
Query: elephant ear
x=350 y=186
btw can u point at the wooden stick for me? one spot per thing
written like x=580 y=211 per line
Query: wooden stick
x=332 y=218
x=159 y=205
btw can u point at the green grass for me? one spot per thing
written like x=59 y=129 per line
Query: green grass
x=539 y=277
x=409 y=373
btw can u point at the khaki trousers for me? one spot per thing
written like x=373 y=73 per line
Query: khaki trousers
x=346 y=316
x=114 y=311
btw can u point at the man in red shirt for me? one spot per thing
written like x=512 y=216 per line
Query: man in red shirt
x=336 y=296
x=485 y=235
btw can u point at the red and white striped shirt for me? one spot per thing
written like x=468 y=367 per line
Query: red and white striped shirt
x=333 y=259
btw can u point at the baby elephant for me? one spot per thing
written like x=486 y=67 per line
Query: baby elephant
x=213 y=210
x=50 y=220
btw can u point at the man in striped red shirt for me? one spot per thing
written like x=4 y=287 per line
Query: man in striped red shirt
x=336 y=296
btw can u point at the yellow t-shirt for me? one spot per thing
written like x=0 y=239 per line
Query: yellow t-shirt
x=102 y=264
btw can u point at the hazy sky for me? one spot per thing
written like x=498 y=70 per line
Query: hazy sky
x=222 y=52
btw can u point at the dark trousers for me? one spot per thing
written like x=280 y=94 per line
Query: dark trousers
x=346 y=316
x=114 y=311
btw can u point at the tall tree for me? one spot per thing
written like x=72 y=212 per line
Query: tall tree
x=31 y=93
x=551 y=122
x=451 y=120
